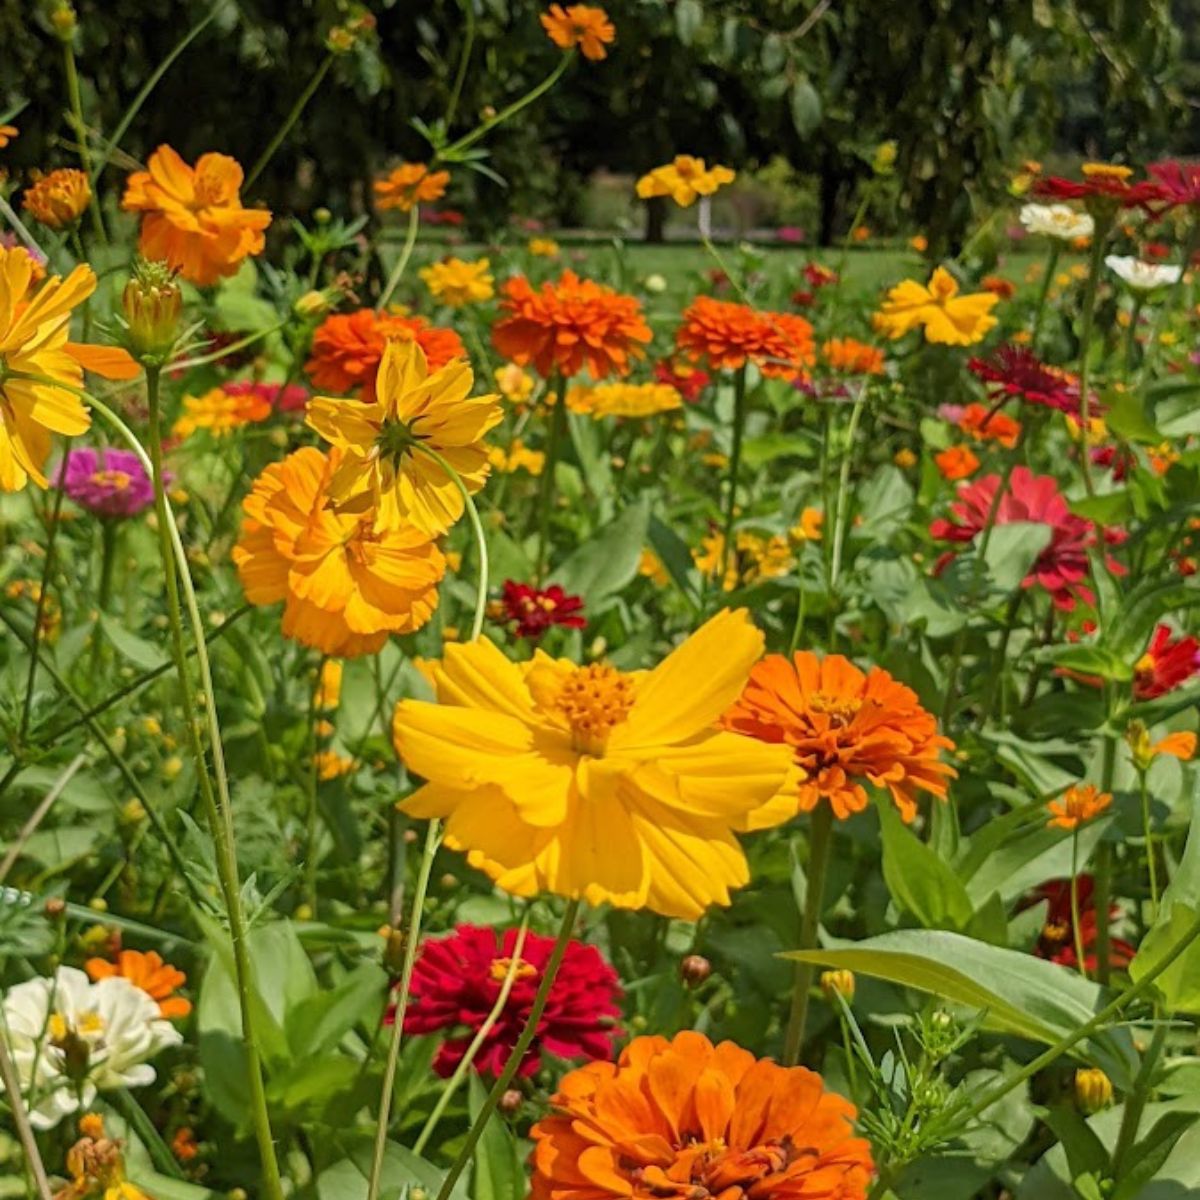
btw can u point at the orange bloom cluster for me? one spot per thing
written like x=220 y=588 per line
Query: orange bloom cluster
x=844 y=725
x=193 y=218
x=852 y=357
x=986 y=424
x=220 y=412
x=728 y=336
x=684 y=1118
x=345 y=587
x=956 y=462
x=59 y=198
x=408 y=185
x=579 y=25
x=1079 y=803
x=156 y=978
x=348 y=347
x=563 y=327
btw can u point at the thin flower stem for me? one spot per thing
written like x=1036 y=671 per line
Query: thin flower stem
x=841 y=505
x=558 y=424
x=464 y=1064
x=1040 y=310
x=289 y=121
x=1103 y=873
x=519 y=1050
x=18 y=226
x=16 y=1101
x=1135 y=1100
x=410 y=240
x=464 y=61
x=735 y=461
x=1099 y=237
x=819 y=845
x=1148 y=833
x=311 y=822
x=481 y=586
x=81 y=131
x=1076 y=924
x=1135 y=316
x=39 y=814
x=432 y=839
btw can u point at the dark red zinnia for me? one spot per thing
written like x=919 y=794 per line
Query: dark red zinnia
x=687 y=380
x=1103 y=184
x=533 y=610
x=1017 y=372
x=1167 y=663
x=1057 y=940
x=1178 y=184
x=289 y=399
x=457 y=980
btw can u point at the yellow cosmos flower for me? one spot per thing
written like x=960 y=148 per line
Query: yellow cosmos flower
x=683 y=179
x=947 y=318
x=624 y=399
x=590 y=782
x=384 y=467
x=456 y=283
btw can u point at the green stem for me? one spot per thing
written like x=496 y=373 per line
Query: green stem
x=288 y=122
x=410 y=240
x=432 y=837
x=311 y=824
x=841 y=504
x=1135 y=1101
x=996 y=689
x=1148 y=833
x=1040 y=310
x=463 y=62
x=7 y=212
x=1103 y=873
x=558 y=425
x=519 y=1050
x=81 y=131
x=1135 y=316
x=819 y=846
x=25 y=1134
x=1076 y=924
x=1099 y=237
x=735 y=462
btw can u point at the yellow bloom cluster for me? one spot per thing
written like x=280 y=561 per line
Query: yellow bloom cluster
x=624 y=399
x=457 y=283
x=518 y=457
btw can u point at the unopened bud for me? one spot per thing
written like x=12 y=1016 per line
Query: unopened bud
x=63 y=20
x=312 y=304
x=510 y=1103
x=694 y=970
x=839 y=983
x=54 y=908
x=153 y=304
x=393 y=951
x=1093 y=1090
x=1137 y=736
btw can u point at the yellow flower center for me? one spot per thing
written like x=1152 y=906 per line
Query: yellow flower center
x=118 y=480
x=500 y=968
x=1056 y=931
x=60 y=1028
x=840 y=710
x=1144 y=665
x=1092 y=170
x=594 y=700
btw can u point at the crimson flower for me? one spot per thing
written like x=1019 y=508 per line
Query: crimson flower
x=1167 y=663
x=1062 y=567
x=1057 y=940
x=1178 y=184
x=534 y=610
x=1107 y=185
x=818 y=275
x=289 y=399
x=457 y=980
x=1017 y=371
x=689 y=381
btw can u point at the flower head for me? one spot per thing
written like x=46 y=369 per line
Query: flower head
x=684 y=179
x=59 y=198
x=97 y=1166
x=1104 y=189
x=543 y=247
x=689 y=1119
x=152 y=303
x=532 y=610
x=1142 y=276
x=1016 y=371
x=591 y=782
x=1178 y=185
x=192 y=217
x=1168 y=663
x=727 y=336
x=1057 y=940
x=946 y=317
x=518 y=457
x=983 y=424
x=345 y=587
x=582 y=26
x=754 y=558
x=687 y=380
x=328 y=691
x=384 y=468
x=1059 y=221
x=457 y=980
x=845 y=727
x=408 y=185
x=107 y=482
x=220 y=411
x=514 y=383
x=157 y=979
x=7 y=134
x=956 y=462
x=457 y=283
x=568 y=325
x=850 y=357
x=1077 y=805
x=291 y=398
x=624 y=399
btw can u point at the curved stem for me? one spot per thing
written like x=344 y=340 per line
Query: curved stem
x=7 y=212
x=1076 y=924
x=288 y=122
x=735 y=462
x=410 y=240
x=85 y=154
x=819 y=846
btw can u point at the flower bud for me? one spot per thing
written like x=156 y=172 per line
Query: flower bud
x=393 y=952
x=153 y=304
x=839 y=983
x=694 y=970
x=313 y=304
x=510 y=1103
x=54 y=908
x=1093 y=1090
x=1137 y=737
x=885 y=158
x=63 y=20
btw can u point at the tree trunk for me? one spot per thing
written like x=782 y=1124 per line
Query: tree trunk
x=656 y=219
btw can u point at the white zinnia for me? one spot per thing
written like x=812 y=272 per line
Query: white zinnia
x=112 y=1027
x=1142 y=276
x=1057 y=221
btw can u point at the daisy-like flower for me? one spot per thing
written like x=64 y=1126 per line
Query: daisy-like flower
x=408 y=185
x=35 y=324
x=1104 y=189
x=568 y=325
x=684 y=180
x=331 y=765
x=383 y=468
x=456 y=283
x=754 y=558
x=983 y=424
x=1178 y=185
x=846 y=727
x=347 y=348
x=71 y=1038
x=158 y=979
x=946 y=317
x=1017 y=372
x=956 y=462
x=727 y=336
x=624 y=400
x=1059 y=221
x=592 y=783
x=808 y=526
x=1057 y=939
x=192 y=217
x=457 y=980
x=582 y=26
x=514 y=383
x=518 y=457
x=344 y=586
x=850 y=357
x=687 y=1118
x=1142 y=276
x=221 y=411
x=1079 y=804
x=59 y=198
x=1168 y=663
x=543 y=247
x=108 y=483
x=531 y=610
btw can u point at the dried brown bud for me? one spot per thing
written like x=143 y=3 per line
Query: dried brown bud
x=694 y=970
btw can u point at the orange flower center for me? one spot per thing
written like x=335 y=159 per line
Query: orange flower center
x=501 y=966
x=1056 y=931
x=594 y=700
x=704 y=1169
x=117 y=480
x=840 y=710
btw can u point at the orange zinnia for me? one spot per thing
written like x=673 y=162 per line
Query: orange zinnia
x=684 y=1118
x=156 y=978
x=1079 y=803
x=408 y=185
x=344 y=586
x=728 y=336
x=348 y=347
x=58 y=199
x=986 y=424
x=852 y=357
x=579 y=25
x=563 y=327
x=956 y=462
x=844 y=725
x=193 y=216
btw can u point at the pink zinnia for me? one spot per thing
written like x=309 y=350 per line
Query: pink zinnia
x=110 y=483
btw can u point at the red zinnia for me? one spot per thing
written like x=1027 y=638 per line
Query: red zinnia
x=289 y=399
x=1178 y=184
x=533 y=610
x=1062 y=567
x=1057 y=940
x=1102 y=183
x=1167 y=663
x=687 y=380
x=1017 y=371
x=457 y=980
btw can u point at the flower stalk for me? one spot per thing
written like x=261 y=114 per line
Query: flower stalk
x=735 y=460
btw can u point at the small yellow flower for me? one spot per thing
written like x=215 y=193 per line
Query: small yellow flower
x=329 y=686
x=838 y=983
x=330 y=765
x=650 y=566
x=624 y=399
x=1093 y=1089
x=808 y=527
x=904 y=458
x=543 y=247
x=1097 y=170
x=7 y=134
x=1079 y=803
x=920 y=243
x=684 y=179
x=515 y=383
x=946 y=317
x=518 y=458
x=457 y=283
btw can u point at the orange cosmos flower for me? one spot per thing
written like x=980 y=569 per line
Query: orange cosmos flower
x=58 y=199
x=684 y=1118
x=563 y=327
x=1079 y=803
x=580 y=25
x=844 y=726
x=156 y=978
x=852 y=357
x=728 y=335
x=193 y=217
x=956 y=462
x=344 y=586
x=408 y=185
x=35 y=322
x=347 y=348
x=220 y=412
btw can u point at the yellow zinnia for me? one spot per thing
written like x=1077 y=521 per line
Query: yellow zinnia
x=456 y=283
x=947 y=317
x=683 y=179
x=383 y=466
x=593 y=783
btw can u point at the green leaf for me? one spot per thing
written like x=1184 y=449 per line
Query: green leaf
x=499 y=1173
x=689 y=16
x=1084 y=1150
x=806 y=106
x=1151 y=1153
x=884 y=503
x=1012 y=550
x=318 y=1023
x=347 y=1179
x=1126 y=417
x=1109 y=509
x=918 y=880
x=606 y=563
x=137 y=650
x=673 y=553
x=1089 y=660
